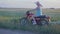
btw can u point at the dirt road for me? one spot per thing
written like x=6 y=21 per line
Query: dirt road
x=7 y=31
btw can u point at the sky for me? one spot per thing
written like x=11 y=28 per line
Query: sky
x=29 y=3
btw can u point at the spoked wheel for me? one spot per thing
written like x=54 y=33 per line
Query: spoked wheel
x=44 y=22
x=24 y=21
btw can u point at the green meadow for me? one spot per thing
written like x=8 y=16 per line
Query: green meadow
x=9 y=19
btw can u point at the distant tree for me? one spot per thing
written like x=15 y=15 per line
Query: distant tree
x=52 y=8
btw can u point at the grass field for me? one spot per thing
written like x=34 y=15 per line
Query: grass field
x=9 y=19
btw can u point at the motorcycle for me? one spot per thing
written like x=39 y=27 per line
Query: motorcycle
x=40 y=20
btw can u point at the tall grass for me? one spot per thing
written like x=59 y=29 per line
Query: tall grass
x=13 y=23
x=10 y=20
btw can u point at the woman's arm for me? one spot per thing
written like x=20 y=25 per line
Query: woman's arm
x=33 y=9
x=38 y=6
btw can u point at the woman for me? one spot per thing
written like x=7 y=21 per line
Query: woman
x=38 y=11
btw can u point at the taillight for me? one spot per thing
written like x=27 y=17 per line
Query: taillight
x=48 y=18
